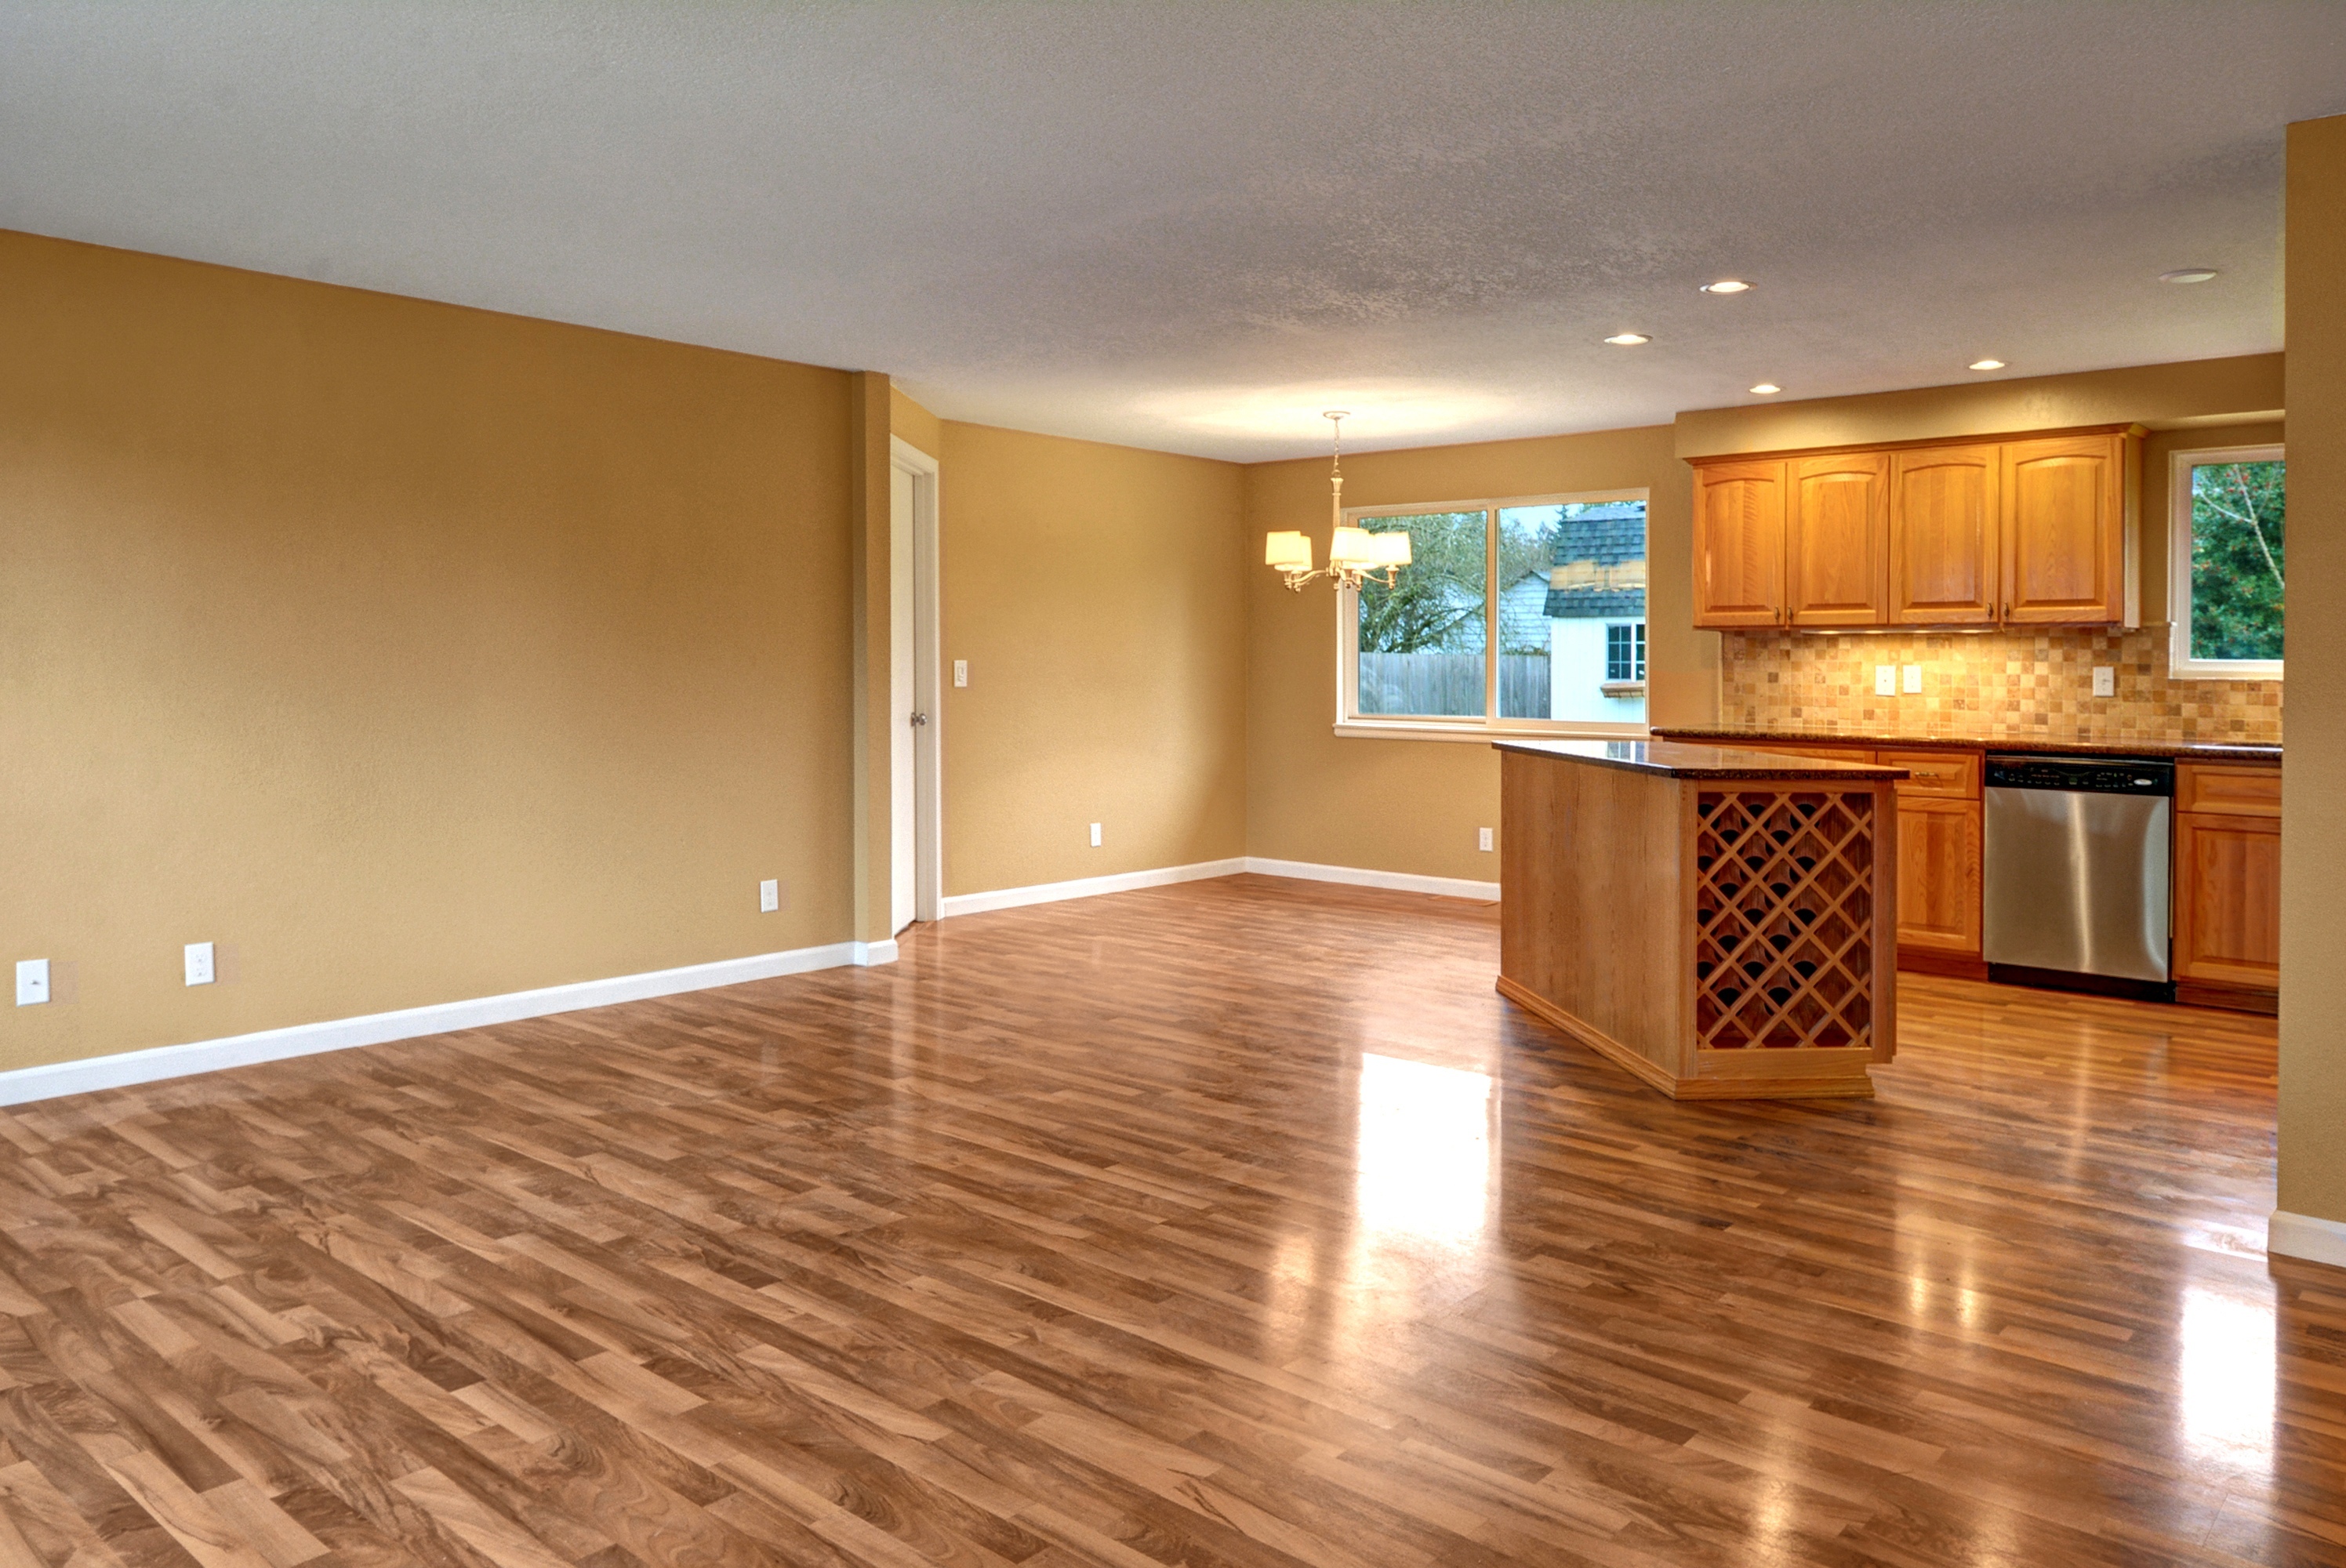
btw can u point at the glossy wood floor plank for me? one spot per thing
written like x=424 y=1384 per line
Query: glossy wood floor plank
x=1226 y=1225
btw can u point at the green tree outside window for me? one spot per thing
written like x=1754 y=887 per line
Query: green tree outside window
x=2238 y=513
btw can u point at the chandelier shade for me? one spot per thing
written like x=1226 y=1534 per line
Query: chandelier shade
x=1355 y=556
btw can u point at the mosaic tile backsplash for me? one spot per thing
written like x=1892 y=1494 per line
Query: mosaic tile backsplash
x=2033 y=684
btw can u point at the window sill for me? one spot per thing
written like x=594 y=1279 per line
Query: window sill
x=2224 y=670
x=1622 y=688
x=1404 y=729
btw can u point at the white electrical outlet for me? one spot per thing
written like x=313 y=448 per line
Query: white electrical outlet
x=1913 y=677
x=197 y=961
x=1885 y=680
x=1483 y=836
x=2105 y=680
x=770 y=896
x=960 y=672
x=1096 y=839
x=32 y=982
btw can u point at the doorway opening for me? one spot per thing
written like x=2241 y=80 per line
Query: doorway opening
x=916 y=817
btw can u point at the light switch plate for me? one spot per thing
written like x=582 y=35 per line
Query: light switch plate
x=197 y=961
x=2105 y=680
x=769 y=895
x=32 y=982
x=1096 y=838
x=1913 y=677
x=960 y=672
x=1885 y=680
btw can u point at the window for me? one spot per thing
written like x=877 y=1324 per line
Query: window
x=2226 y=562
x=1521 y=615
x=1625 y=653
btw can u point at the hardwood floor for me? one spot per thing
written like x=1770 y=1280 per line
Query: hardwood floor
x=1230 y=1224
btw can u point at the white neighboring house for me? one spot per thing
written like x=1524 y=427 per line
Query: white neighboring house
x=1590 y=613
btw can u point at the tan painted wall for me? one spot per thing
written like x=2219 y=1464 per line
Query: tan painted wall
x=2313 y=829
x=1412 y=806
x=2148 y=394
x=410 y=653
x=916 y=424
x=1097 y=592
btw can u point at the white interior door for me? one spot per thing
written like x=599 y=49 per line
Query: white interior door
x=902 y=685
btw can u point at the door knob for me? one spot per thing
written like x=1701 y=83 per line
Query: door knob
x=919 y=720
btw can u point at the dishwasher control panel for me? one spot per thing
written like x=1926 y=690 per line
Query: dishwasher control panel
x=2091 y=775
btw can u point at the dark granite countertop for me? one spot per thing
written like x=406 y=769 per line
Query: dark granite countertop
x=2181 y=751
x=1672 y=760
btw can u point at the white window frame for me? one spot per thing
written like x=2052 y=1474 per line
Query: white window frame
x=1433 y=727
x=2180 y=664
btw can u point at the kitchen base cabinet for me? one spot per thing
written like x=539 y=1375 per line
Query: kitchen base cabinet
x=2228 y=887
x=2227 y=910
x=1712 y=921
x=1939 y=859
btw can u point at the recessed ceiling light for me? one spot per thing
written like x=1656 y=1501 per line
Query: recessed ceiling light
x=2188 y=274
x=1987 y=365
x=1726 y=286
x=1628 y=339
x=1766 y=389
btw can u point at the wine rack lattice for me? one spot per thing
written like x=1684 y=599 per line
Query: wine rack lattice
x=1784 y=914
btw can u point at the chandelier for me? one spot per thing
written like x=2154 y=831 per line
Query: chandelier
x=1355 y=556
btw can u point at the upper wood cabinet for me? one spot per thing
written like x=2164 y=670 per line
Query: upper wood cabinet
x=1943 y=521
x=1738 y=544
x=1837 y=539
x=2064 y=533
x=2039 y=531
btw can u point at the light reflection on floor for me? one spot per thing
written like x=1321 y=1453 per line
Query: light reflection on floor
x=1424 y=1166
x=2224 y=1365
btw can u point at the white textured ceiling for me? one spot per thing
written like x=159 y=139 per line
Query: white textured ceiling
x=1192 y=227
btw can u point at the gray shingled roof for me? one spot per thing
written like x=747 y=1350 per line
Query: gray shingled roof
x=1603 y=535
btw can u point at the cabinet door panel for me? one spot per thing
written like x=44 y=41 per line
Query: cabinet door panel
x=1944 y=519
x=1939 y=859
x=2064 y=531
x=2228 y=900
x=1836 y=540
x=1738 y=544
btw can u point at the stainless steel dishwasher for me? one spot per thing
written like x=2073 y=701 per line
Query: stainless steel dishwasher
x=2076 y=873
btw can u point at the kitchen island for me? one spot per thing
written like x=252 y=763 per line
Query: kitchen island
x=1713 y=920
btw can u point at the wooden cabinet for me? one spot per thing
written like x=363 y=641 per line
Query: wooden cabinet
x=1939 y=862
x=2227 y=885
x=2228 y=791
x=1944 y=519
x=1940 y=856
x=1820 y=751
x=1948 y=775
x=2063 y=534
x=2037 y=532
x=1738 y=544
x=1836 y=540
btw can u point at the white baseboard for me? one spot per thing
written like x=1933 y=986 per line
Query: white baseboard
x=26 y=1085
x=1086 y=887
x=1398 y=881
x=2303 y=1235
x=1163 y=876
